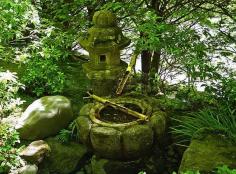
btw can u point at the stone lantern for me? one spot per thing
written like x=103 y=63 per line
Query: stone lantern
x=104 y=41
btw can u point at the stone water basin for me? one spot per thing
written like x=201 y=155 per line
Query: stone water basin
x=112 y=134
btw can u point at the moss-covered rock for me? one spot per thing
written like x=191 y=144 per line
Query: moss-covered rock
x=63 y=158
x=208 y=152
x=106 y=141
x=45 y=117
x=84 y=111
x=158 y=122
x=137 y=141
x=105 y=166
x=84 y=129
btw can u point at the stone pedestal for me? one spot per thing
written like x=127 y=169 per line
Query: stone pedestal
x=103 y=81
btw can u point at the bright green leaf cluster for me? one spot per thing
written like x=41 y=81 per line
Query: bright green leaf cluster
x=9 y=155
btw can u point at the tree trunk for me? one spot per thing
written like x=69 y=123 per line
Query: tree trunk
x=91 y=11
x=146 y=66
x=155 y=64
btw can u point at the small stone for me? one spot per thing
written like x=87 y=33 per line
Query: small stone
x=35 y=151
x=28 y=169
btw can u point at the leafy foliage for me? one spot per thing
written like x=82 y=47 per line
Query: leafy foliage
x=64 y=136
x=184 y=38
x=13 y=19
x=9 y=155
x=224 y=90
x=194 y=98
x=67 y=135
x=225 y=170
x=43 y=77
x=220 y=170
x=42 y=58
x=188 y=172
x=9 y=86
x=222 y=119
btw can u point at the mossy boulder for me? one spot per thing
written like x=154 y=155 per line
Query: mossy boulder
x=45 y=117
x=207 y=152
x=63 y=158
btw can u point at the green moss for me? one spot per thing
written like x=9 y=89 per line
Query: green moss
x=104 y=18
x=63 y=158
x=209 y=152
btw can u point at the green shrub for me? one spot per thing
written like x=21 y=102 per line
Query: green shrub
x=9 y=86
x=9 y=155
x=223 y=119
x=195 y=98
x=43 y=77
x=225 y=170
x=69 y=134
x=188 y=172
x=13 y=19
x=225 y=90
x=219 y=170
x=64 y=136
x=52 y=48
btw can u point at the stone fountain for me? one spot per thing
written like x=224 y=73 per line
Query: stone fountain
x=115 y=137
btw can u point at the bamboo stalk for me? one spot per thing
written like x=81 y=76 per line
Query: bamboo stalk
x=127 y=74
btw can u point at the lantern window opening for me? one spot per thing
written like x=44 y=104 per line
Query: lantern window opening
x=102 y=58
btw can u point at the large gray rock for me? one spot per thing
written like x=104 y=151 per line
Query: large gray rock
x=63 y=158
x=35 y=151
x=208 y=152
x=45 y=117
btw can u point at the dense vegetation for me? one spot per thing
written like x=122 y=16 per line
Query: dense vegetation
x=183 y=44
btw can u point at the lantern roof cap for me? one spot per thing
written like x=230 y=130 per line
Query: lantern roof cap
x=104 y=18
